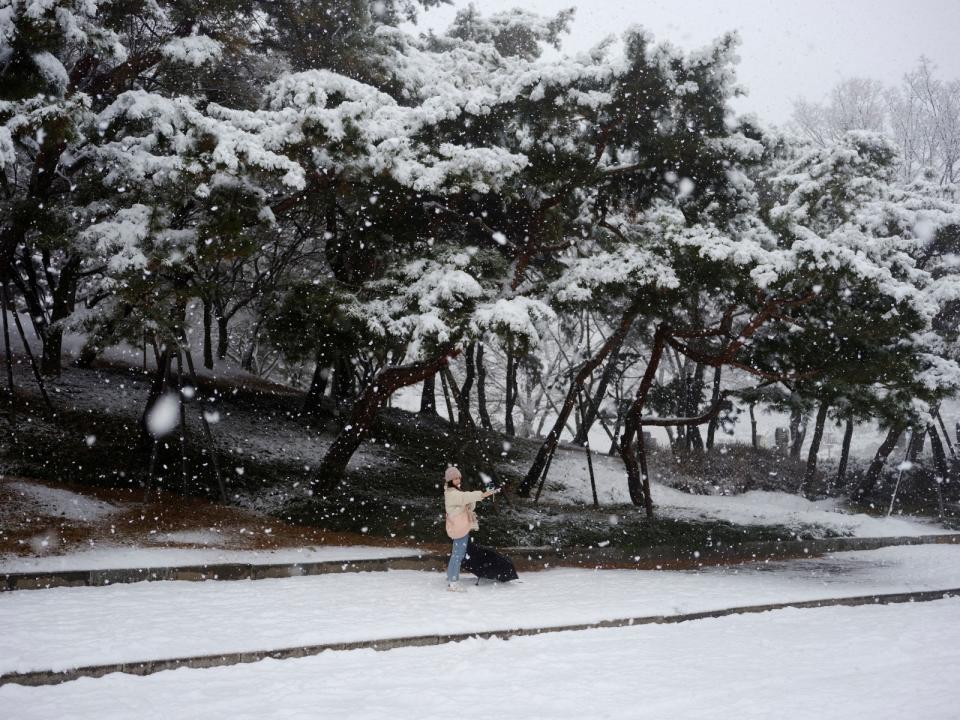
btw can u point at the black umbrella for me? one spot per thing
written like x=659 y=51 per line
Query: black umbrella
x=487 y=563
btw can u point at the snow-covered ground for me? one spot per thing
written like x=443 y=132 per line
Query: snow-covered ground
x=63 y=503
x=878 y=663
x=569 y=469
x=213 y=545
x=63 y=628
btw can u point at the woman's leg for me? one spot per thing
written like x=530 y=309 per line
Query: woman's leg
x=456 y=557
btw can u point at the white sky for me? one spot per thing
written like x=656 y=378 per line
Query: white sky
x=789 y=49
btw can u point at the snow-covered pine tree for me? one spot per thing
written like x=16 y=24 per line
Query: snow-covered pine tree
x=100 y=117
x=873 y=243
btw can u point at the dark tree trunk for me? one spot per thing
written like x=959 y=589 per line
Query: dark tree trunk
x=845 y=453
x=156 y=352
x=940 y=461
x=694 y=393
x=428 y=398
x=872 y=475
x=318 y=386
x=184 y=464
x=246 y=362
x=37 y=375
x=917 y=438
x=511 y=395
x=343 y=383
x=609 y=370
x=223 y=337
x=712 y=427
x=632 y=448
x=444 y=385
x=64 y=299
x=451 y=383
x=482 y=390
x=821 y=421
x=553 y=437
x=52 y=350
x=463 y=398
x=205 y=424
x=754 y=440
x=374 y=396
x=8 y=355
x=207 y=336
x=158 y=385
x=593 y=479
x=946 y=435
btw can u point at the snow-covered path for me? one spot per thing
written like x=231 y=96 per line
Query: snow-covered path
x=106 y=558
x=62 y=628
x=882 y=663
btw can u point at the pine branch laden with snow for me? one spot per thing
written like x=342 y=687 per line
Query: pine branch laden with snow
x=876 y=244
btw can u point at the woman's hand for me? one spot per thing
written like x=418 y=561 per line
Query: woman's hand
x=488 y=493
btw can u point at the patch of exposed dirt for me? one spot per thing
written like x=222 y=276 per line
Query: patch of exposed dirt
x=33 y=523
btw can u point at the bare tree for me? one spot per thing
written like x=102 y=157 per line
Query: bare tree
x=854 y=104
x=922 y=115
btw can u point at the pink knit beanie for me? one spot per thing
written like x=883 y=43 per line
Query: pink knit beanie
x=450 y=474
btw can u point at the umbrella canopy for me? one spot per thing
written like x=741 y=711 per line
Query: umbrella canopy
x=488 y=564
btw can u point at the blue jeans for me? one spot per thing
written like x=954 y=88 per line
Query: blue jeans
x=456 y=557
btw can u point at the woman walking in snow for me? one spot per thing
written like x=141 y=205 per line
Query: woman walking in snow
x=461 y=519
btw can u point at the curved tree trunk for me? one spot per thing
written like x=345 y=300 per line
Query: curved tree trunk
x=445 y=386
x=634 y=456
x=374 y=396
x=946 y=435
x=811 y=469
x=553 y=437
x=592 y=406
x=428 y=397
x=754 y=440
x=872 y=475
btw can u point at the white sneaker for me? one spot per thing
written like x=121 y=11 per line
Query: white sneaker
x=456 y=587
